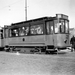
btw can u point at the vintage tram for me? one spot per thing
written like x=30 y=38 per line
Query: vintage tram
x=46 y=34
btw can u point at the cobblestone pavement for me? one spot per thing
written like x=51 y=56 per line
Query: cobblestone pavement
x=62 y=63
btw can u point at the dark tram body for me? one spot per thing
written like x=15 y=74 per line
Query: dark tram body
x=43 y=34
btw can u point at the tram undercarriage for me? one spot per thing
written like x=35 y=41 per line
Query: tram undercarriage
x=32 y=50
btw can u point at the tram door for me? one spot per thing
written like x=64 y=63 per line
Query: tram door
x=1 y=38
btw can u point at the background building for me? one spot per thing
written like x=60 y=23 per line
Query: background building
x=72 y=32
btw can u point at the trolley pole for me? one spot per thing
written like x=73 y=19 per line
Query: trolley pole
x=25 y=10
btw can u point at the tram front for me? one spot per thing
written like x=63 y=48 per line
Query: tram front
x=61 y=29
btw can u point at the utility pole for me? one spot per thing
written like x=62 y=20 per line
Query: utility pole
x=26 y=10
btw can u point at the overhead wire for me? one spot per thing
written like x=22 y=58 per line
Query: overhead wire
x=10 y=4
x=16 y=3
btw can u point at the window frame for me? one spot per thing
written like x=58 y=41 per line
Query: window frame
x=64 y=26
x=29 y=25
x=61 y=30
x=37 y=25
x=49 y=27
x=18 y=31
x=68 y=26
x=6 y=32
x=14 y=29
x=24 y=34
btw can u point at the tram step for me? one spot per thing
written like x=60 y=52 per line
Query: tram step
x=50 y=50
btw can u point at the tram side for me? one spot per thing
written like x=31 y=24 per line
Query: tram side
x=26 y=36
x=44 y=35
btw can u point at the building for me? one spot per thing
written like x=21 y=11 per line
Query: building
x=72 y=32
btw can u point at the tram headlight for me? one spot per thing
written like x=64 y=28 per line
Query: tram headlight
x=65 y=41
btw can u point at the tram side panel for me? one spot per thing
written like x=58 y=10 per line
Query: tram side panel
x=6 y=36
x=62 y=41
x=27 y=41
x=1 y=43
x=40 y=40
x=49 y=41
x=59 y=41
x=6 y=42
x=56 y=40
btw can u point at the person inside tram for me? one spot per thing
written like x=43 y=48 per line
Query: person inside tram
x=72 y=42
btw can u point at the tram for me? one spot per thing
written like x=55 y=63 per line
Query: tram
x=44 y=34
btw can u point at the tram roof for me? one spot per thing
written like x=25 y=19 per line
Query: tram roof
x=33 y=20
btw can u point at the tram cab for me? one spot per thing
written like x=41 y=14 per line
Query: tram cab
x=61 y=29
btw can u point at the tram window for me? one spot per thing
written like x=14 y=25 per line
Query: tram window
x=66 y=26
x=10 y=34
x=6 y=33
x=1 y=34
x=23 y=31
x=59 y=26
x=49 y=27
x=56 y=24
x=26 y=30
x=14 y=32
x=37 y=29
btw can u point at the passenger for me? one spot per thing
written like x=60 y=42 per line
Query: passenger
x=72 y=41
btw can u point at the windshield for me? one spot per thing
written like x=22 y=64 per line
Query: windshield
x=61 y=26
x=66 y=26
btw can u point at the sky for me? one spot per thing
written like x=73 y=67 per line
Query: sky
x=13 y=11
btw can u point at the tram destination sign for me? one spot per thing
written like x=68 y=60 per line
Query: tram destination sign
x=62 y=16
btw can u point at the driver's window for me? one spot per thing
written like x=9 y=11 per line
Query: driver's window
x=66 y=26
x=59 y=26
x=56 y=24
x=62 y=26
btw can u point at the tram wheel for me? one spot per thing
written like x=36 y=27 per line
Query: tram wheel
x=47 y=52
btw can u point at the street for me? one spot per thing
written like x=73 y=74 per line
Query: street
x=62 y=63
